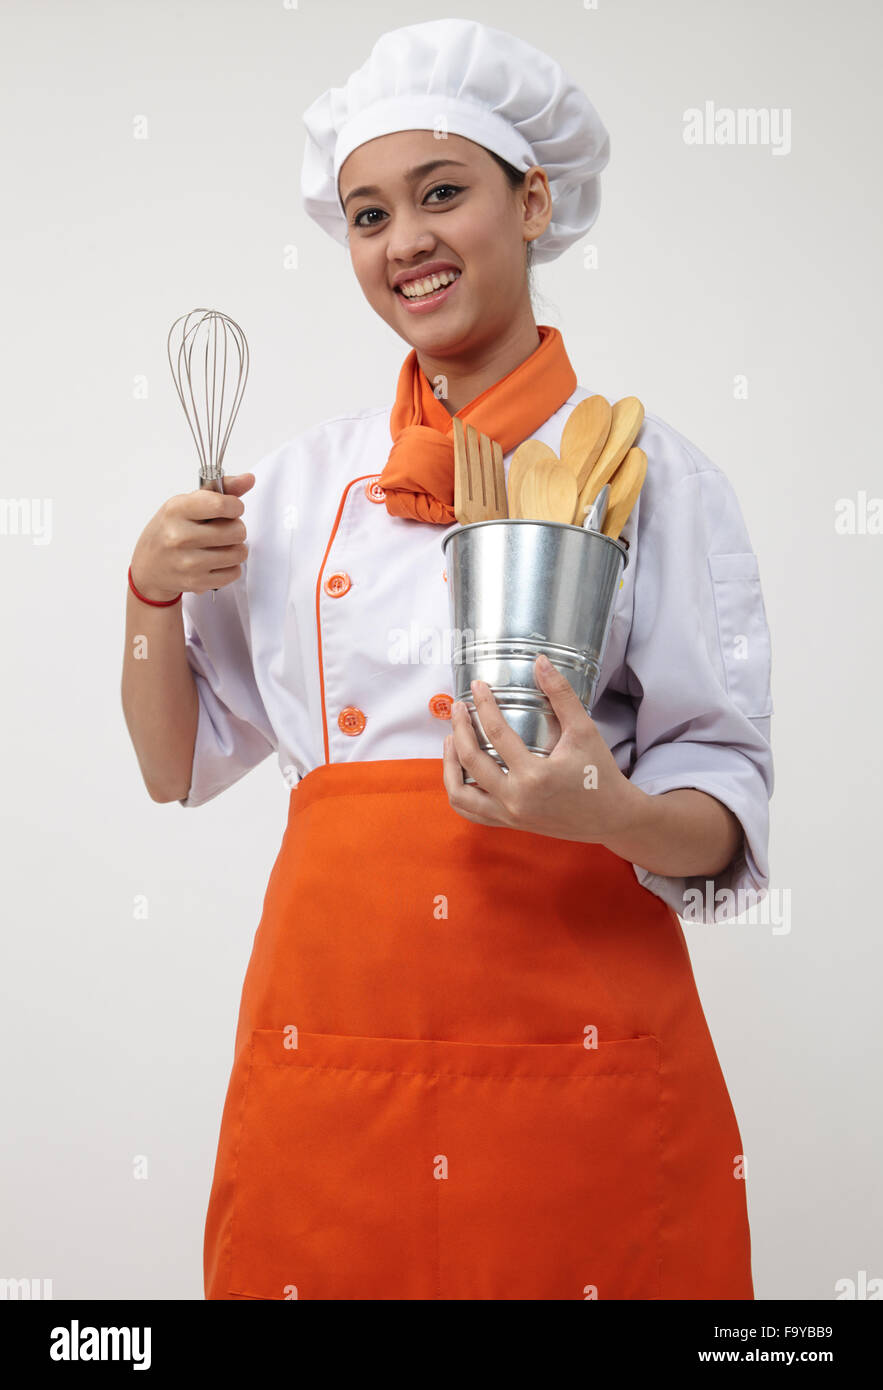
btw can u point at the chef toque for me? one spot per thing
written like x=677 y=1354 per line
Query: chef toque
x=462 y=77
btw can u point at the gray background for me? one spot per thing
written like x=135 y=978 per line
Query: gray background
x=117 y=1033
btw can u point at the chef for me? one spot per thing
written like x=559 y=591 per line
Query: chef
x=471 y=1061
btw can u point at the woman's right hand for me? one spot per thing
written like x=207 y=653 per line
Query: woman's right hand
x=195 y=542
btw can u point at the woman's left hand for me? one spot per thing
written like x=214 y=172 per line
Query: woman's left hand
x=576 y=793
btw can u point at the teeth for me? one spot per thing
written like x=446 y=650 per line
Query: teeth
x=416 y=289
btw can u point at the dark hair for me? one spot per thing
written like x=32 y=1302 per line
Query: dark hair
x=515 y=179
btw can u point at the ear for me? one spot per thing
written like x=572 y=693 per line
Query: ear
x=538 y=205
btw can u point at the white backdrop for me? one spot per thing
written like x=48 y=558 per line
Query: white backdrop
x=714 y=263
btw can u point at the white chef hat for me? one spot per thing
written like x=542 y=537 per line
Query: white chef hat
x=459 y=76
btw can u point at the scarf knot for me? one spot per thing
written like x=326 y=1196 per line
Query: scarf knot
x=418 y=478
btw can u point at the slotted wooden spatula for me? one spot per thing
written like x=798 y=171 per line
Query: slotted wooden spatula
x=479 y=476
x=627 y=419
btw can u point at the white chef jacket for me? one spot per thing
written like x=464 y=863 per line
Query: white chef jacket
x=327 y=649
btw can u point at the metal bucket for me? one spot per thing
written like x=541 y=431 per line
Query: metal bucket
x=520 y=587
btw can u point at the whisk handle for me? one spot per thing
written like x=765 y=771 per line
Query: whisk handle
x=214 y=485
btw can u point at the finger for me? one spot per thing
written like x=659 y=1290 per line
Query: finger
x=452 y=772
x=219 y=579
x=211 y=567
x=223 y=557
x=487 y=772
x=467 y=801
x=505 y=740
x=237 y=483
x=205 y=505
x=214 y=531
x=568 y=708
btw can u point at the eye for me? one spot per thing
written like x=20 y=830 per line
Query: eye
x=452 y=189
x=364 y=212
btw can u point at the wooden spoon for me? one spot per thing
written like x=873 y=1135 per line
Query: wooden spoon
x=526 y=455
x=584 y=436
x=624 y=488
x=548 y=491
x=628 y=417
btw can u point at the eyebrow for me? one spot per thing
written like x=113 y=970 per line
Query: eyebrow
x=369 y=190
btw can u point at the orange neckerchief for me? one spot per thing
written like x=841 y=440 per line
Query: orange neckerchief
x=419 y=475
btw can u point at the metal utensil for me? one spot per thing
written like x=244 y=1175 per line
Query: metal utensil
x=597 y=511
x=209 y=362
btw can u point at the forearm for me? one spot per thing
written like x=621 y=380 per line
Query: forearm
x=679 y=833
x=160 y=700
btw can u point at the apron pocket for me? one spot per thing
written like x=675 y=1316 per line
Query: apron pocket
x=553 y=1187
x=410 y=1168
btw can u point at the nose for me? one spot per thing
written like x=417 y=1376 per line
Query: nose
x=409 y=237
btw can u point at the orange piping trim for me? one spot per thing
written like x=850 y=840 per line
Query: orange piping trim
x=318 y=591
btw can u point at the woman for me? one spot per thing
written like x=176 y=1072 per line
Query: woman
x=471 y=1061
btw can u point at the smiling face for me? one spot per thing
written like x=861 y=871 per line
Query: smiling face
x=460 y=215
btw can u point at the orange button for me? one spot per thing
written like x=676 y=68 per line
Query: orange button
x=440 y=706
x=351 y=720
x=338 y=584
x=374 y=492
x=445 y=575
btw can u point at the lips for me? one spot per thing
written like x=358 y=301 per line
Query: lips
x=423 y=271
x=426 y=303
x=424 y=285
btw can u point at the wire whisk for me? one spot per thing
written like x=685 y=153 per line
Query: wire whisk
x=209 y=363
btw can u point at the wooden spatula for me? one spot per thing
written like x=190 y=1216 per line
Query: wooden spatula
x=479 y=476
x=627 y=419
x=548 y=491
x=625 y=485
x=584 y=436
x=526 y=455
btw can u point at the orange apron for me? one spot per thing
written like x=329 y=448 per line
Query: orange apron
x=470 y=1063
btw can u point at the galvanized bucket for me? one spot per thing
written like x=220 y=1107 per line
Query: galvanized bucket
x=520 y=587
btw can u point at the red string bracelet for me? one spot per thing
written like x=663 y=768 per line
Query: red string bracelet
x=154 y=602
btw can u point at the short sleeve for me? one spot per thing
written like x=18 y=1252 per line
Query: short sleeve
x=234 y=732
x=698 y=660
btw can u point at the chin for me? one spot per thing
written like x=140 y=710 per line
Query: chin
x=436 y=336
